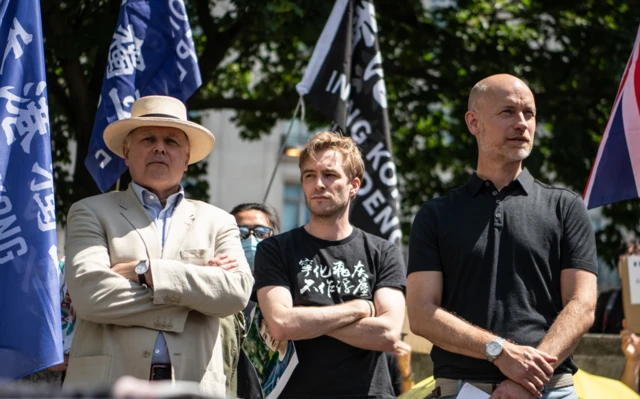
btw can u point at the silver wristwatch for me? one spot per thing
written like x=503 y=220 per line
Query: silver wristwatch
x=494 y=349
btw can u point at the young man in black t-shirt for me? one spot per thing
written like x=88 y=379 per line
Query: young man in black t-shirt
x=333 y=289
x=502 y=272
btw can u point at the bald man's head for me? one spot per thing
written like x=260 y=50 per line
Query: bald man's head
x=502 y=117
x=491 y=84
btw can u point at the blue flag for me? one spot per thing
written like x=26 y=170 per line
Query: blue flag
x=30 y=319
x=151 y=52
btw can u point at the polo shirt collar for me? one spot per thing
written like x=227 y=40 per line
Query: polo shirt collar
x=475 y=184
x=524 y=179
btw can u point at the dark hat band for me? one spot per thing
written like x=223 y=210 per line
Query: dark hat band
x=160 y=116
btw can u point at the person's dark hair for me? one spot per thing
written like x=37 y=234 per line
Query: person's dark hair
x=271 y=214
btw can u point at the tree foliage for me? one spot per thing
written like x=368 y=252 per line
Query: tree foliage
x=252 y=53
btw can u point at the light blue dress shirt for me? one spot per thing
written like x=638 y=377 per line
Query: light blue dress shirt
x=161 y=217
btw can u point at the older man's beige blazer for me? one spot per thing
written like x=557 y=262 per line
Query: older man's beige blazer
x=119 y=320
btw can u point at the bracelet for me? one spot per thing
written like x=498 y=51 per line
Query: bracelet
x=370 y=308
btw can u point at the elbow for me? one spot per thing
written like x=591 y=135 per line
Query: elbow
x=419 y=322
x=279 y=331
x=389 y=341
x=232 y=304
x=590 y=316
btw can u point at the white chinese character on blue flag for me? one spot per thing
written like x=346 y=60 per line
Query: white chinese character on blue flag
x=30 y=318
x=151 y=52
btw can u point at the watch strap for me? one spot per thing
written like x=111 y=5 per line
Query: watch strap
x=142 y=279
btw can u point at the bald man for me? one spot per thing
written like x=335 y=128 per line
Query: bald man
x=502 y=271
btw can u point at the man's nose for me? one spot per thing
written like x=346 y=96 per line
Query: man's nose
x=522 y=121
x=159 y=147
x=319 y=183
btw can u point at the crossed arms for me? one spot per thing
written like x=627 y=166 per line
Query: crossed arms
x=102 y=294
x=348 y=322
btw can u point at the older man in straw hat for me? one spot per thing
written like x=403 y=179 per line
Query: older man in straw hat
x=140 y=262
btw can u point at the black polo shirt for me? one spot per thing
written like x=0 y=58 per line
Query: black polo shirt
x=501 y=254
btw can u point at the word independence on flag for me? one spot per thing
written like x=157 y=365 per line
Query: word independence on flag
x=151 y=52
x=30 y=319
x=344 y=81
x=615 y=175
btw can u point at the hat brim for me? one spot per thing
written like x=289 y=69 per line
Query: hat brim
x=201 y=140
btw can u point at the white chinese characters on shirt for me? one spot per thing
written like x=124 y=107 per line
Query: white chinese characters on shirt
x=339 y=278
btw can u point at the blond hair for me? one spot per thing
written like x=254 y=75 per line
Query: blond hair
x=322 y=141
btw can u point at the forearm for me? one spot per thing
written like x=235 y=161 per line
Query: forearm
x=209 y=290
x=451 y=333
x=107 y=298
x=371 y=333
x=564 y=335
x=306 y=322
x=630 y=374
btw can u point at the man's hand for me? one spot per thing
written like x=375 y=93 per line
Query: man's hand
x=527 y=366
x=225 y=262
x=630 y=343
x=127 y=270
x=511 y=390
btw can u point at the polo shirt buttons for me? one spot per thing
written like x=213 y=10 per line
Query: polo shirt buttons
x=495 y=193
x=498 y=202
x=498 y=215
x=487 y=183
x=146 y=354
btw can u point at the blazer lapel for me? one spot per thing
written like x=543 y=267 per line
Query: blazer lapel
x=181 y=222
x=135 y=214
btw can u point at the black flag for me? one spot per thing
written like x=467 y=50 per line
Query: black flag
x=344 y=81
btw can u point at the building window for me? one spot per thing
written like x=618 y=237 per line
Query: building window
x=296 y=213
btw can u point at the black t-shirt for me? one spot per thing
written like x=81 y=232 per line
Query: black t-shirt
x=323 y=273
x=501 y=254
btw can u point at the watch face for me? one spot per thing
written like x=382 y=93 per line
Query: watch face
x=141 y=268
x=494 y=349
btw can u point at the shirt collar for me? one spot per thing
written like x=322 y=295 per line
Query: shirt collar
x=524 y=179
x=147 y=198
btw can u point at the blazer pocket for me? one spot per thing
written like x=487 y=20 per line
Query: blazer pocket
x=198 y=257
x=88 y=371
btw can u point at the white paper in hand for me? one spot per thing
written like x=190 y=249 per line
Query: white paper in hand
x=633 y=263
x=468 y=391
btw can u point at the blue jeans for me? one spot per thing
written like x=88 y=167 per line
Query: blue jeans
x=558 y=393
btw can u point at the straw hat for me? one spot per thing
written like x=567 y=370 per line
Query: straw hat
x=160 y=111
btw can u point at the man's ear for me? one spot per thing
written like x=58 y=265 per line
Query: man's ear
x=125 y=153
x=355 y=186
x=471 y=118
x=186 y=164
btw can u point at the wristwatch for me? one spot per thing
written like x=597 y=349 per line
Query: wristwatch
x=494 y=349
x=141 y=268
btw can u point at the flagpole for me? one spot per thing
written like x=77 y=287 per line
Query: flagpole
x=284 y=144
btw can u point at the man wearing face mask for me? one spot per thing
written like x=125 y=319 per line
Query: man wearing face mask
x=256 y=222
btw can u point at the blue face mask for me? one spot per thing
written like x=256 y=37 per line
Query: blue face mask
x=249 y=245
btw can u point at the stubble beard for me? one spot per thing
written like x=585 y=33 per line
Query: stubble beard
x=503 y=153
x=329 y=211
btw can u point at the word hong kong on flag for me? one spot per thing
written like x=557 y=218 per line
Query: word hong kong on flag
x=344 y=81
x=615 y=175
x=30 y=318
x=151 y=53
